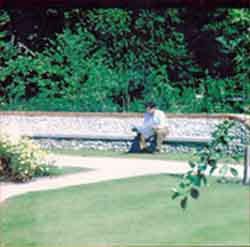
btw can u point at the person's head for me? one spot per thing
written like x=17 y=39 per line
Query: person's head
x=150 y=107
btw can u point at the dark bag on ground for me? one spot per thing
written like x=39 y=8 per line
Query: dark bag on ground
x=135 y=147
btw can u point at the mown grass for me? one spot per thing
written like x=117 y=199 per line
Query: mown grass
x=125 y=212
x=66 y=170
x=158 y=156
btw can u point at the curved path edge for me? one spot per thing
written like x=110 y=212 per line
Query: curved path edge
x=102 y=169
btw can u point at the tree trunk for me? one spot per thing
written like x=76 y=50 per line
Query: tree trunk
x=246 y=178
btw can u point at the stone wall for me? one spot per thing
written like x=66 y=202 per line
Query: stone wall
x=122 y=146
x=53 y=126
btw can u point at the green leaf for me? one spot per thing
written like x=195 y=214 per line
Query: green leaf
x=236 y=157
x=234 y=172
x=194 y=179
x=212 y=162
x=202 y=167
x=212 y=170
x=194 y=193
x=191 y=164
x=223 y=171
x=160 y=19
x=183 y=202
x=175 y=195
x=182 y=185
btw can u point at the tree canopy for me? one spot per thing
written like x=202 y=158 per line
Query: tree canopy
x=116 y=59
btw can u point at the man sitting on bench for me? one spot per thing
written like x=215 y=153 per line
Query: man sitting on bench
x=154 y=126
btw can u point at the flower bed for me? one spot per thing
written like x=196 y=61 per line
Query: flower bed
x=20 y=158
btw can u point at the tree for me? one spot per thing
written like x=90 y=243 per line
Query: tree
x=207 y=163
x=172 y=55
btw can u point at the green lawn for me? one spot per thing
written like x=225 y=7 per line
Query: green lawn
x=66 y=170
x=129 y=211
x=161 y=156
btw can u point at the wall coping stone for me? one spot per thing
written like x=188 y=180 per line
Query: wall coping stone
x=123 y=114
x=117 y=114
x=243 y=118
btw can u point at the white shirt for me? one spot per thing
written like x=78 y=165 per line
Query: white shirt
x=151 y=121
x=159 y=119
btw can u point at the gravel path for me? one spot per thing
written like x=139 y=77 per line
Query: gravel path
x=103 y=169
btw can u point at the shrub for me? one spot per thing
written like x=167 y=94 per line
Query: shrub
x=21 y=159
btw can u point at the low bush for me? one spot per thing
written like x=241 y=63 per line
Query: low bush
x=21 y=159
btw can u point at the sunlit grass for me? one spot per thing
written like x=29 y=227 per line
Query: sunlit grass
x=130 y=211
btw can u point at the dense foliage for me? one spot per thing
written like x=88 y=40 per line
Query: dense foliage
x=116 y=59
x=21 y=159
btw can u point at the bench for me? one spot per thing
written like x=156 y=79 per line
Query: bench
x=170 y=139
x=114 y=142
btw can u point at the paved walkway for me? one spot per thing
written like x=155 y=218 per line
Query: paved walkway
x=103 y=169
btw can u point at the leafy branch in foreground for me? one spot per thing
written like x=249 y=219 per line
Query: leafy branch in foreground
x=207 y=164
